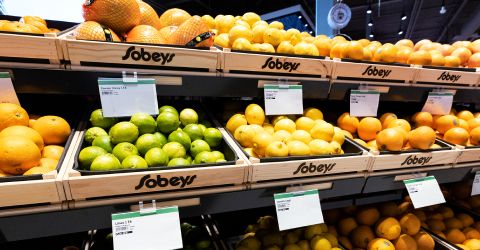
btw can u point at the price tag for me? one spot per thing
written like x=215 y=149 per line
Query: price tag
x=298 y=209
x=364 y=103
x=7 y=92
x=158 y=229
x=283 y=99
x=424 y=191
x=438 y=103
x=476 y=184
x=122 y=98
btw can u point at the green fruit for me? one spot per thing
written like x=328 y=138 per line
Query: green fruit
x=167 y=108
x=134 y=161
x=204 y=157
x=218 y=155
x=94 y=132
x=88 y=154
x=188 y=116
x=203 y=128
x=97 y=120
x=174 y=150
x=160 y=137
x=199 y=146
x=180 y=137
x=189 y=159
x=156 y=157
x=144 y=122
x=148 y=141
x=213 y=137
x=167 y=122
x=178 y=162
x=105 y=162
x=124 y=149
x=103 y=142
x=123 y=132
x=194 y=131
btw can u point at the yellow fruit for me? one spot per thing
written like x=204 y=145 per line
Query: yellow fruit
x=276 y=25
x=320 y=147
x=339 y=50
x=251 y=18
x=380 y=244
x=424 y=241
x=388 y=228
x=323 y=131
x=12 y=114
x=473 y=244
x=301 y=135
x=361 y=236
x=38 y=170
x=260 y=23
x=209 y=21
x=285 y=124
x=24 y=131
x=53 y=152
x=242 y=23
x=303 y=48
x=261 y=142
x=462 y=246
x=48 y=163
x=285 y=47
x=240 y=31
x=298 y=148
x=372 y=145
x=236 y=121
x=410 y=224
x=254 y=114
x=338 y=136
x=282 y=135
x=346 y=225
x=244 y=135
x=304 y=123
x=457 y=136
x=355 y=50
x=332 y=239
x=422 y=119
x=361 y=142
x=323 y=46
x=313 y=113
x=273 y=36
x=222 y=40
x=18 y=154
x=368 y=128
x=258 y=32
x=241 y=44
x=420 y=58
x=405 y=242
x=224 y=23
x=402 y=123
x=250 y=152
x=390 y=139
x=268 y=128
x=320 y=243
x=276 y=149
x=387 y=118
x=403 y=53
x=257 y=128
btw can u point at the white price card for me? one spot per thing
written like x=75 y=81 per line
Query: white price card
x=158 y=229
x=364 y=103
x=124 y=98
x=7 y=92
x=424 y=191
x=283 y=99
x=298 y=209
x=476 y=184
x=438 y=103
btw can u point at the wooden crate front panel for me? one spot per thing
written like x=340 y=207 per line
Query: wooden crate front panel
x=28 y=192
x=83 y=187
x=310 y=167
x=408 y=160
x=373 y=71
x=469 y=154
x=134 y=54
x=24 y=46
x=275 y=64
x=447 y=76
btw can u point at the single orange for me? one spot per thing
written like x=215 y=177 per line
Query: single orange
x=24 y=131
x=12 y=114
x=53 y=129
x=368 y=128
x=18 y=154
x=457 y=136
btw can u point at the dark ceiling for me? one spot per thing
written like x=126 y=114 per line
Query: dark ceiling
x=460 y=22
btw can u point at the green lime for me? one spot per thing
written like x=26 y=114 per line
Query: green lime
x=124 y=149
x=88 y=154
x=167 y=108
x=103 y=142
x=97 y=120
x=204 y=157
x=218 y=155
x=144 y=122
x=123 y=132
x=213 y=137
x=194 y=131
x=178 y=162
x=203 y=128
x=167 y=122
x=94 y=132
x=146 y=142
x=156 y=157
x=206 y=123
x=105 y=162
x=188 y=116
x=134 y=161
x=180 y=137
x=199 y=146
x=189 y=159
x=174 y=150
x=160 y=137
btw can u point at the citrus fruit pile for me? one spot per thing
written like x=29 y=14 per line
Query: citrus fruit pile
x=27 y=24
x=265 y=235
x=280 y=136
x=172 y=139
x=462 y=128
x=30 y=145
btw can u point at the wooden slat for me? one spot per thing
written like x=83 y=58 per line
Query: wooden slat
x=408 y=160
x=469 y=155
x=28 y=192
x=447 y=76
x=373 y=71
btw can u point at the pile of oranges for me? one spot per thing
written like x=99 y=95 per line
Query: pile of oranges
x=29 y=145
x=27 y=24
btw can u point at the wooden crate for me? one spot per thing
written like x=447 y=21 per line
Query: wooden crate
x=81 y=187
x=413 y=159
x=468 y=154
x=368 y=71
x=83 y=54
x=275 y=64
x=448 y=76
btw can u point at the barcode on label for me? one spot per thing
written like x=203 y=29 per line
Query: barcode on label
x=123 y=233
x=107 y=92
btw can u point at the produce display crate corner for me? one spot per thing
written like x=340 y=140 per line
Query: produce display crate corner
x=468 y=153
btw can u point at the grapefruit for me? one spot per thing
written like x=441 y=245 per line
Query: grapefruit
x=145 y=34
x=167 y=31
x=91 y=30
x=12 y=114
x=53 y=129
x=474 y=61
x=24 y=131
x=18 y=154
x=390 y=139
x=462 y=53
x=189 y=31
x=368 y=128
x=452 y=61
x=420 y=58
x=173 y=17
x=119 y=15
x=148 y=16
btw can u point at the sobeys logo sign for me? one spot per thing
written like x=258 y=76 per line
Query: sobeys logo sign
x=163 y=182
x=416 y=160
x=373 y=71
x=277 y=64
x=312 y=168
x=146 y=56
x=445 y=76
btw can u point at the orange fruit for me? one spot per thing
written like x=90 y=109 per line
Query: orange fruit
x=173 y=17
x=438 y=59
x=457 y=136
x=410 y=224
x=422 y=119
x=12 y=114
x=405 y=242
x=424 y=241
x=368 y=128
x=372 y=145
x=446 y=122
x=436 y=224
x=420 y=43
x=462 y=53
x=347 y=122
x=390 y=139
x=446 y=49
x=29 y=19
x=466 y=219
x=388 y=228
x=148 y=15
x=473 y=123
x=380 y=244
x=145 y=34
x=475 y=136
x=452 y=61
x=420 y=58
x=405 y=42
x=403 y=54
x=361 y=236
x=339 y=50
x=338 y=39
x=402 y=123
x=18 y=154
x=346 y=225
x=355 y=50
x=20 y=27
x=460 y=44
x=324 y=46
x=91 y=30
x=364 y=42
x=386 y=53
x=463 y=124
x=471 y=233
x=386 y=118
x=53 y=129
x=368 y=216
x=373 y=46
x=119 y=15
x=474 y=60
x=48 y=163
x=189 y=30
x=465 y=115
x=24 y=132
x=367 y=54
x=455 y=236
x=52 y=152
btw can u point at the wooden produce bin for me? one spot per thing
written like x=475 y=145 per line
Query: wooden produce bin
x=241 y=62
x=349 y=70
x=468 y=154
x=447 y=76
x=83 y=54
